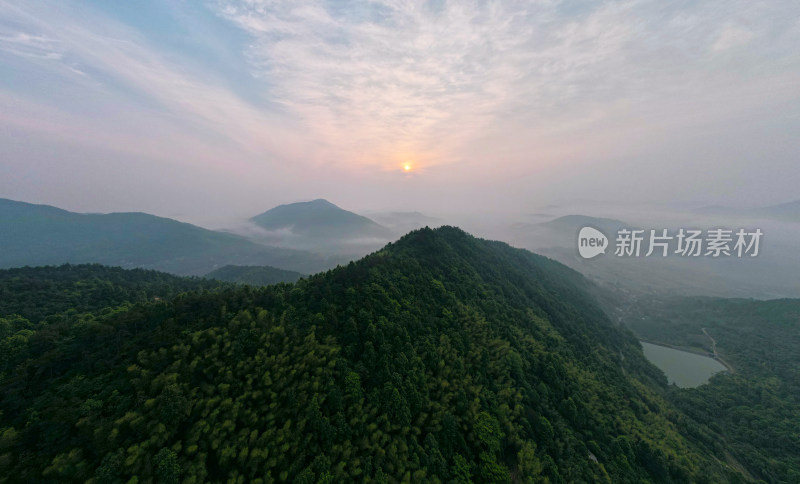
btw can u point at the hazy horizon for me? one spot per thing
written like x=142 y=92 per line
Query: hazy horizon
x=221 y=109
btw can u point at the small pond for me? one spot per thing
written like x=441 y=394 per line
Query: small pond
x=687 y=370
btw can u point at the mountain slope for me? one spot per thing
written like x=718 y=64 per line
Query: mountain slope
x=255 y=275
x=319 y=219
x=757 y=407
x=786 y=212
x=441 y=358
x=573 y=223
x=36 y=292
x=39 y=235
x=789 y=211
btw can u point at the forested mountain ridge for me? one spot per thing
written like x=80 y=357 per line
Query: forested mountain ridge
x=255 y=275
x=37 y=292
x=441 y=358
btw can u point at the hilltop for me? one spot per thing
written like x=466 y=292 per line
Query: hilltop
x=440 y=358
x=320 y=219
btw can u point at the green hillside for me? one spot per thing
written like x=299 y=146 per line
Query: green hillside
x=441 y=358
x=37 y=292
x=253 y=275
x=757 y=407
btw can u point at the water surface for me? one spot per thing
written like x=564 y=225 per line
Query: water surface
x=687 y=370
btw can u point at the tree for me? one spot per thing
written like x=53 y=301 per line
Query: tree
x=168 y=470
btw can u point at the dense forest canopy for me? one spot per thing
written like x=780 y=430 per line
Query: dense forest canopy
x=254 y=275
x=441 y=358
x=35 y=293
x=757 y=407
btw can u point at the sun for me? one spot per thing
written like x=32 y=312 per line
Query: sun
x=407 y=167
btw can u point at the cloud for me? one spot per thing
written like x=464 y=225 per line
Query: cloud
x=381 y=82
x=128 y=80
x=338 y=95
x=27 y=45
x=732 y=36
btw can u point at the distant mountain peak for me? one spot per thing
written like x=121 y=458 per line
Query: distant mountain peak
x=582 y=219
x=320 y=218
x=788 y=211
x=32 y=234
x=575 y=222
x=322 y=201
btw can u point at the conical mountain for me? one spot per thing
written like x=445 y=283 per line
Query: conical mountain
x=320 y=219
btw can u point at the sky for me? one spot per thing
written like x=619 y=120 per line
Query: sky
x=203 y=110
